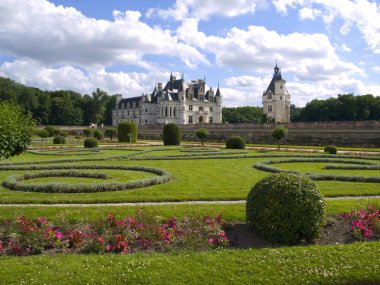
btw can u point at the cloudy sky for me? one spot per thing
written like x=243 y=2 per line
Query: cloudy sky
x=323 y=47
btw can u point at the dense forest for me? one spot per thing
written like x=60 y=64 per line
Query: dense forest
x=243 y=115
x=66 y=107
x=343 y=108
x=61 y=107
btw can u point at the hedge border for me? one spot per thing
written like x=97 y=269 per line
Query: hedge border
x=12 y=182
x=265 y=166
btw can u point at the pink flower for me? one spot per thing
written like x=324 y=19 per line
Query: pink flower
x=42 y=220
x=58 y=235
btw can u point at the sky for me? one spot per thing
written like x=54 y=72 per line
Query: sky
x=323 y=47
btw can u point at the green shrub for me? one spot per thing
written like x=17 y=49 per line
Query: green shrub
x=59 y=140
x=235 y=142
x=98 y=134
x=127 y=132
x=64 y=133
x=171 y=134
x=90 y=143
x=52 y=131
x=87 y=132
x=286 y=208
x=330 y=149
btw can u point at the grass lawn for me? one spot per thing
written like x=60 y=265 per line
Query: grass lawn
x=228 y=178
x=334 y=264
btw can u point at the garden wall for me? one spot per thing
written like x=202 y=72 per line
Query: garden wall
x=366 y=133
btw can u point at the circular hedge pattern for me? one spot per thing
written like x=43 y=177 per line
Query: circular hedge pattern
x=13 y=182
x=286 y=208
x=361 y=164
x=66 y=151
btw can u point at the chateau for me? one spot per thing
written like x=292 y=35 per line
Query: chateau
x=178 y=102
x=276 y=99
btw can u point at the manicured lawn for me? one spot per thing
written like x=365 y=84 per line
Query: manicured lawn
x=193 y=179
x=231 y=212
x=333 y=264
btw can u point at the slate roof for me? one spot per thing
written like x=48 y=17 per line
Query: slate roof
x=276 y=76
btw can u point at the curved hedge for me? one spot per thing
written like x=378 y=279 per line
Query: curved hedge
x=127 y=132
x=13 y=181
x=171 y=134
x=265 y=166
x=286 y=208
x=235 y=142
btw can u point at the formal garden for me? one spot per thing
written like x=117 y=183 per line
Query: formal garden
x=106 y=212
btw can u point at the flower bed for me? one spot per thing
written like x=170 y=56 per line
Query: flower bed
x=365 y=223
x=24 y=236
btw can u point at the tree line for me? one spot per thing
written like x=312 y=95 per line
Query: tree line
x=63 y=107
x=346 y=107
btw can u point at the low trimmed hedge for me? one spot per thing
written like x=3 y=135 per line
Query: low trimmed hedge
x=13 y=181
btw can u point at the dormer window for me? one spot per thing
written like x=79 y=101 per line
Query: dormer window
x=134 y=104
x=269 y=95
x=128 y=105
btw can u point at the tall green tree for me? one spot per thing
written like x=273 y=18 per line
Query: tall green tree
x=279 y=133
x=16 y=129
x=201 y=134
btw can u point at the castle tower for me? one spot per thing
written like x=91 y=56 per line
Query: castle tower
x=276 y=99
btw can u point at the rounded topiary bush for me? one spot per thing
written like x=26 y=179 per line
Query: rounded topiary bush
x=59 y=140
x=286 y=208
x=98 y=134
x=330 y=149
x=90 y=143
x=127 y=132
x=172 y=134
x=235 y=142
x=51 y=130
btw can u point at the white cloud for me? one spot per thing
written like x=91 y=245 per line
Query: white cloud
x=309 y=14
x=362 y=13
x=203 y=10
x=313 y=57
x=39 y=30
x=33 y=73
x=376 y=69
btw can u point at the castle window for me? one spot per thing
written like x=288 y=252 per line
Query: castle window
x=134 y=104
x=174 y=112
x=270 y=109
x=190 y=107
x=211 y=120
x=200 y=108
x=146 y=121
x=166 y=111
x=140 y=112
x=269 y=95
x=146 y=110
x=211 y=109
x=128 y=105
x=190 y=119
x=122 y=106
x=280 y=86
x=128 y=113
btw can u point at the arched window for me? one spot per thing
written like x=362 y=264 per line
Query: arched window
x=174 y=112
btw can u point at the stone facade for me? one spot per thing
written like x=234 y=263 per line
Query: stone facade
x=276 y=99
x=178 y=102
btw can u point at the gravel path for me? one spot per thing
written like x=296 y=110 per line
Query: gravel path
x=167 y=203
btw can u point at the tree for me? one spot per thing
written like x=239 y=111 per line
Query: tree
x=42 y=134
x=279 y=133
x=87 y=132
x=201 y=134
x=110 y=132
x=16 y=130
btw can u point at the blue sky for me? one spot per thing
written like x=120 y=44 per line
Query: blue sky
x=324 y=48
